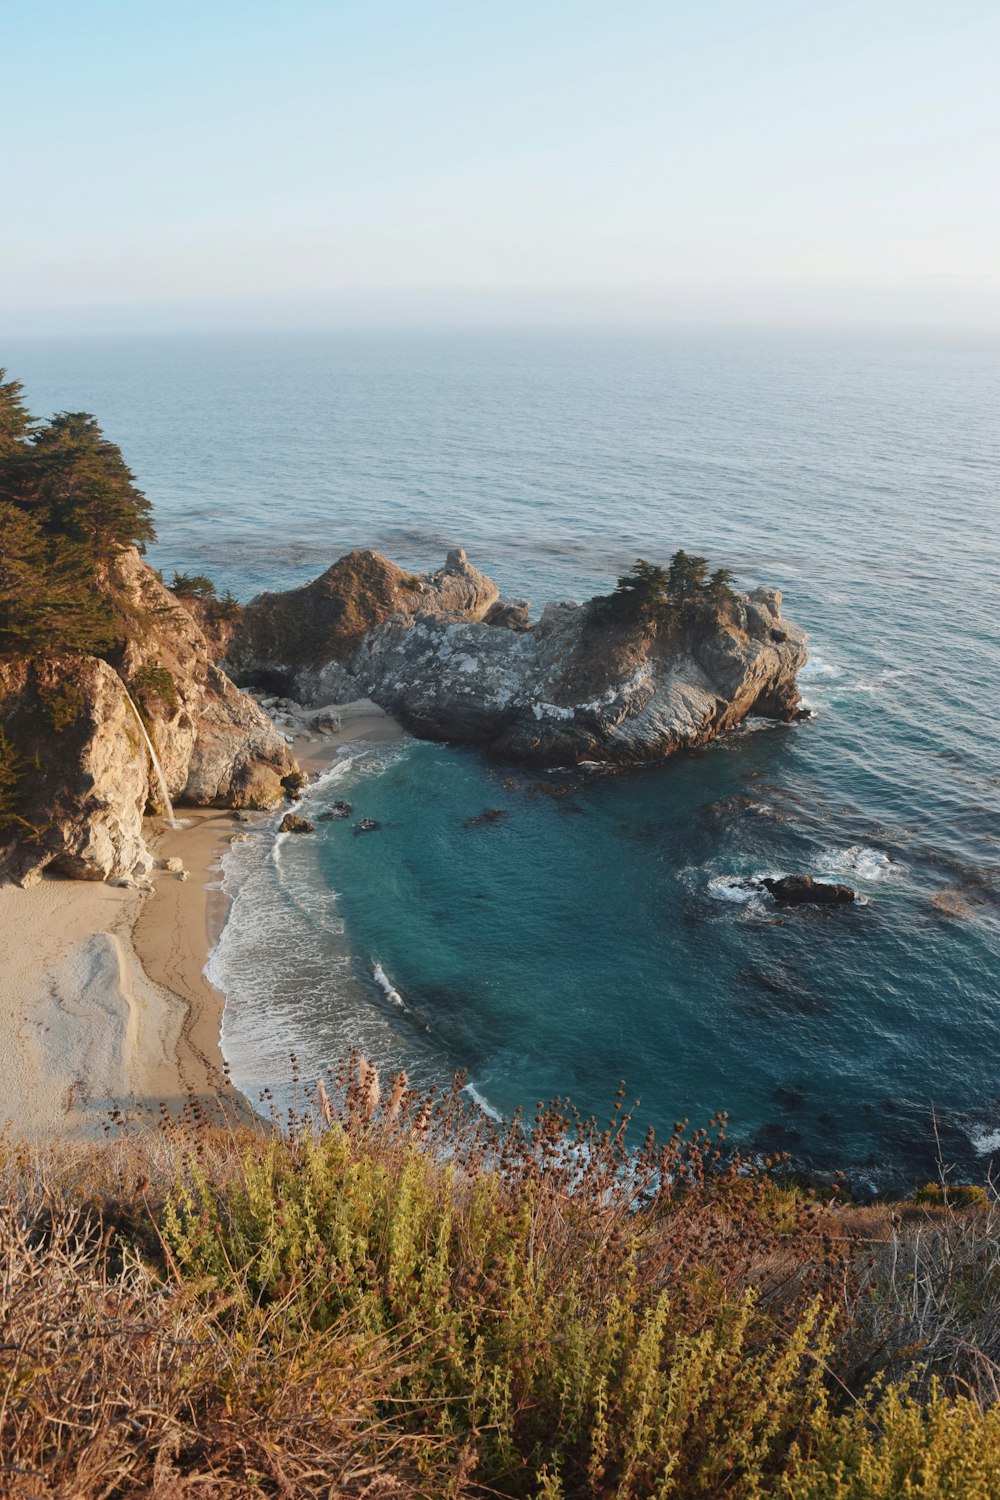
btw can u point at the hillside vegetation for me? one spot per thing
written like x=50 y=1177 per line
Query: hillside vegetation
x=380 y=1299
x=68 y=506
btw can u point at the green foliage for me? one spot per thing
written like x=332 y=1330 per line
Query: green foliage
x=154 y=682
x=944 y=1448
x=389 y=1298
x=13 y=768
x=63 y=706
x=49 y=597
x=682 y=594
x=526 y=1328
x=68 y=505
x=192 y=586
x=226 y=607
x=82 y=486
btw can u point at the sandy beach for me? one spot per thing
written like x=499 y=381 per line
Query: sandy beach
x=104 y=1005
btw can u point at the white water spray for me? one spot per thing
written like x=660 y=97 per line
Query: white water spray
x=161 y=779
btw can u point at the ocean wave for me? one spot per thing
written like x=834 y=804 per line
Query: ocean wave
x=817 y=667
x=385 y=984
x=985 y=1141
x=742 y=890
x=859 y=861
x=483 y=1104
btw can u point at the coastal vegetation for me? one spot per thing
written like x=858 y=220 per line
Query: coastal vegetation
x=387 y=1297
x=68 y=505
x=684 y=594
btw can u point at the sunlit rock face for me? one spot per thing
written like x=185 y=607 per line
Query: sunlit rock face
x=80 y=774
x=452 y=662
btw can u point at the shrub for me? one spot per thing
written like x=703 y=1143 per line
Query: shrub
x=192 y=586
x=63 y=706
x=389 y=1297
x=153 y=682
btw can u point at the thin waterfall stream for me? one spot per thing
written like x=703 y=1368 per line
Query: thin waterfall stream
x=158 y=769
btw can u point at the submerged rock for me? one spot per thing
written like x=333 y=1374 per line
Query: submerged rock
x=798 y=890
x=489 y=815
x=338 y=810
x=367 y=825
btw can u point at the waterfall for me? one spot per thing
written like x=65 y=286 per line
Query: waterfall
x=158 y=769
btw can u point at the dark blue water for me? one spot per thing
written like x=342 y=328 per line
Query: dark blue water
x=595 y=932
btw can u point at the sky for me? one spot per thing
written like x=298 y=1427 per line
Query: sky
x=232 y=163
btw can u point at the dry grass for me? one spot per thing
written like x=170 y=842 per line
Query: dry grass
x=386 y=1299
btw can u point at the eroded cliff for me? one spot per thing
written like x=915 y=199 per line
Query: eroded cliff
x=76 y=774
x=453 y=662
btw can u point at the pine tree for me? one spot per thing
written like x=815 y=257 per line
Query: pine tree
x=16 y=425
x=83 y=488
x=48 y=595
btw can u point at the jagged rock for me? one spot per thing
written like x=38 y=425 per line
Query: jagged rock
x=216 y=745
x=174 y=864
x=82 y=786
x=338 y=810
x=84 y=775
x=297 y=640
x=294 y=783
x=798 y=890
x=565 y=690
x=291 y=823
x=510 y=614
x=324 y=721
x=367 y=825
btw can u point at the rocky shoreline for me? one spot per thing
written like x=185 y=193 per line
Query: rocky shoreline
x=452 y=661
x=441 y=652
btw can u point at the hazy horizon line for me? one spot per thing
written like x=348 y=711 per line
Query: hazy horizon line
x=926 y=305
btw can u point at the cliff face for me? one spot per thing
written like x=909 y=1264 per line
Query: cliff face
x=564 y=690
x=300 y=639
x=75 y=773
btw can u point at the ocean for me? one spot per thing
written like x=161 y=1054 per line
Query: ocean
x=602 y=930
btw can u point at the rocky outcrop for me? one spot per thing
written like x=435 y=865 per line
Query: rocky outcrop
x=76 y=770
x=215 y=745
x=79 y=780
x=452 y=663
x=803 y=890
x=306 y=637
x=292 y=823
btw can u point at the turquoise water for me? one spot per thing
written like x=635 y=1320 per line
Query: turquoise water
x=597 y=932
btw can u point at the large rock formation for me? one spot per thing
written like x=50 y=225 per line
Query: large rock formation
x=453 y=663
x=303 y=638
x=78 y=772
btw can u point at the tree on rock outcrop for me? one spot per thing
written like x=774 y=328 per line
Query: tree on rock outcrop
x=84 y=489
x=47 y=596
x=681 y=594
x=68 y=506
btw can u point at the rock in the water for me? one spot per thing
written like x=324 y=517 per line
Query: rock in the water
x=799 y=890
x=367 y=825
x=489 y=815
x=292 y=823
x=338 y=810
x=581 y=684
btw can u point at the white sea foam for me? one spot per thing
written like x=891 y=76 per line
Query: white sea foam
x=384 y=983
x=483 y=1104
x=743 y=890
x=817 y=667
x=860 y=862
x=984 y=1141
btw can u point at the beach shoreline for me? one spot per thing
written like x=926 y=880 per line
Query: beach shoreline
x=106 y=1015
